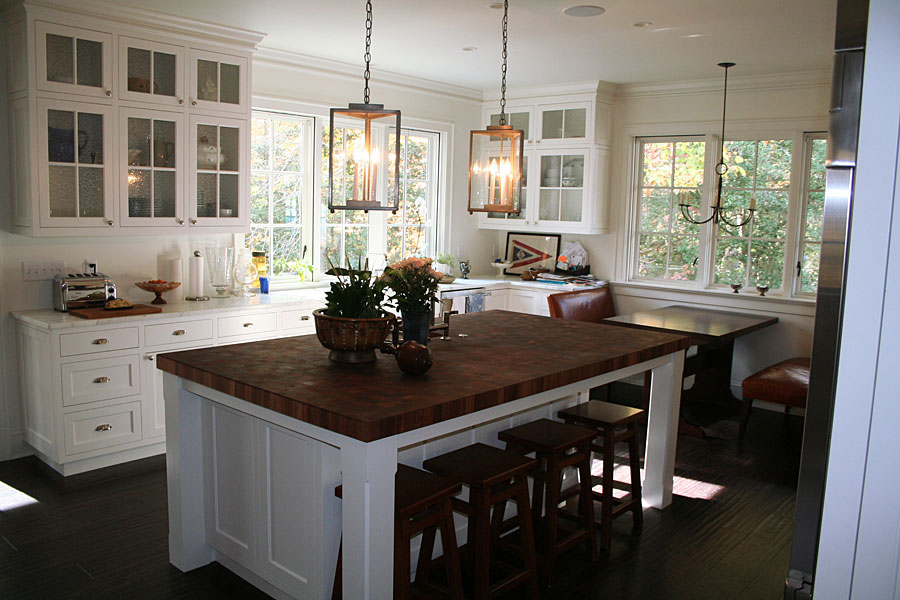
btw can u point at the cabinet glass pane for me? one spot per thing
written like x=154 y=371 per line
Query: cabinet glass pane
x=550 y=171
x=163 y=74
x=552 y=124
x=164 y=193
x=62 y=191
x=570 y=209
x=61 y=136
x=60 y=58
x=519 y=120
x=207 y=80
x=229 y=148
x=228 y=195
x=90 y=63
x=138 y=142
x=207 y=194
x=139 y=71
x=548 y=208
x=574 y=126
x=90 y=138
x=139 y=191
x=229 y=83
x=573 y=171
x=90 y=191
x=207 y=147
x=164 y=144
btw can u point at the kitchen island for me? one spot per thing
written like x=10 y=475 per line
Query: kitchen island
x=260 y=434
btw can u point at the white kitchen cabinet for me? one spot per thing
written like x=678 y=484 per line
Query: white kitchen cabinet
x=151 y=71
x=219 y=82
x=72 y=60
x=219 y=166
x=495 y=299
x=565 y=123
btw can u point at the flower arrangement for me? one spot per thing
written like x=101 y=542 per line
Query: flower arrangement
x=413 y=282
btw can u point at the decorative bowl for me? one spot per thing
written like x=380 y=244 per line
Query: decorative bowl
x=352 y=340
x=158 y=289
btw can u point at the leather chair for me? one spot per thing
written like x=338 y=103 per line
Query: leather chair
x=785 y=383
x=591 y=305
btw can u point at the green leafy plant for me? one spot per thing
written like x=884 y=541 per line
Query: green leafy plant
x=413 y=282
x=303 y=269
x=355 y=294
x=445 y=258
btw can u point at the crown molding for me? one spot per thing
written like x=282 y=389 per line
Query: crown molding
x=306 y=63
x=544 y=91
x=779 y=81
x=147 y=19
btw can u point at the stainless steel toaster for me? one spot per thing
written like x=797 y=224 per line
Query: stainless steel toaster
x=82 y=290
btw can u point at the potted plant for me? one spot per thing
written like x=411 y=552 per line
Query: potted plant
x=414 y=284
x=444 y=263
x=353 y=323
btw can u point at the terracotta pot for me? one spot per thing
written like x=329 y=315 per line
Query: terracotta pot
x=351 y=340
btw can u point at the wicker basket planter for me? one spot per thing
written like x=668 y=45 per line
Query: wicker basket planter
x=351 y=340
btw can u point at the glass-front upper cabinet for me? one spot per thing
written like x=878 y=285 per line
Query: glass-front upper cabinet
x=565 y=123
x=73 y=60
x=519 y=118
x=219 y=162
x=521 y=216
x=561 y=189
x=217 y=81
x=150 y=180
x=75 y=151
x=151 y=72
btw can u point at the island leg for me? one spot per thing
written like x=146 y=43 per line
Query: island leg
x=367 y=472
x=662 y=431
x=184 y=476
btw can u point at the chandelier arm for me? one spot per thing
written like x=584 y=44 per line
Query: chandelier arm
x=690 y=219
x=736 y=225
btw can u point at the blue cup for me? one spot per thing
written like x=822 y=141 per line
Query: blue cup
x=263 y=285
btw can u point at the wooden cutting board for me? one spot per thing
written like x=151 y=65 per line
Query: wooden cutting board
x=101 y=313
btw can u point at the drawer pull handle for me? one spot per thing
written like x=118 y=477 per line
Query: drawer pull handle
x=248 y=324
x=104 y=427
x=304 y=318
x=179 y=332
x=103 y=379
x=100 y=341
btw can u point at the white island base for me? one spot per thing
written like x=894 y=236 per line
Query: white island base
x=254 y=489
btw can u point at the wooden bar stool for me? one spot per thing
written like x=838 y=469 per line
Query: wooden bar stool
x=494 y=476
x=612 y=424
x=557 y=446
x=422 y=503
x=785 y=383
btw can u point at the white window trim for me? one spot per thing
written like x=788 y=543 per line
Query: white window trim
x=626 y=183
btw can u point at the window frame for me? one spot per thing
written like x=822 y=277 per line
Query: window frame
x=628 y=246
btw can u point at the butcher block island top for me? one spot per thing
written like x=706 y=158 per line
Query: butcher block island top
x=493 y=357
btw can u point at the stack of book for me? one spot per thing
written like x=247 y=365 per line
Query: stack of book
x=581 y=280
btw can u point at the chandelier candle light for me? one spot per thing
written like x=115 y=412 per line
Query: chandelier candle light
x=495 y=157
x=363 y=159
x=718 y=211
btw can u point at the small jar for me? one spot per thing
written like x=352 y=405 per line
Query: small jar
x=259 y=261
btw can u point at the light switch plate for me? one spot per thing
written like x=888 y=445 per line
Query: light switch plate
x=39 y=270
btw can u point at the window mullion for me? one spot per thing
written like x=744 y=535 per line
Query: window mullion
x=797 y=193
x=707 y=245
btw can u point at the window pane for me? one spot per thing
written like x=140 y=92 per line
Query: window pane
x=260 y=142
x=286 y=192
x=653 y=256
x=289 y=142
x=689 y=158
x=740 y=156
x=655 y=210
x=286 y=249
x=356 y=244
x=683 y=258
x=766 y=264
x=809 y=275
x=258 y=239
x=774 y=164
x=770 y=220
x=331 y=247
x=394 y=251
x=815 y=214
x=657 y=164
x=817 y=165
x=416 y=157
x=814 y=206
x=731 y=261
x=259 y=197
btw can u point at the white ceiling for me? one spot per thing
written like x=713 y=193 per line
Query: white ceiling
x=424 y=38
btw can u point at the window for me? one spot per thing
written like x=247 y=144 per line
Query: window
x=762 y=252
x=355 y=235
x=280 y=193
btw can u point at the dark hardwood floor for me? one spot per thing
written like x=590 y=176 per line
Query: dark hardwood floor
x=726 y=535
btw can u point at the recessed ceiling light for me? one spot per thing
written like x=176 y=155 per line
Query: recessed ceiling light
x=584 y=10
x=693 y=35
x=642 y=24
x=469 y=49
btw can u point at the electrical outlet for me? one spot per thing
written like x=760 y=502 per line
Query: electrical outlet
x=39 y=270
x=91 y=266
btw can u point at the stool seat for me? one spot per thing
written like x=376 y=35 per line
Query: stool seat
x=596 y=413
x=545 y=435
x=785 y=383
x=479 y=464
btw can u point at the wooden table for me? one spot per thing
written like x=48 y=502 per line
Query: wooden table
x=713 y=332
x=507 y=368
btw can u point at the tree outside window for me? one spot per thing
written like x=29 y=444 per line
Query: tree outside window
x=279 y=147
x=410 y=231
x=813 y=214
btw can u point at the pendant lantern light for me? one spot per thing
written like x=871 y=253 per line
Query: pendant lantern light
x=357 y=162
x=495 y=156
x=718 y=211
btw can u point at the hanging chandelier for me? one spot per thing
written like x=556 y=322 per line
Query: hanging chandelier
x=360 y=155
x=718 y=211
x=495 y=156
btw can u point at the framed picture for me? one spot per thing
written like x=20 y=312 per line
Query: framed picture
x=531 y=251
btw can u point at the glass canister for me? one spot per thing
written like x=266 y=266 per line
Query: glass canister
x=260 y=262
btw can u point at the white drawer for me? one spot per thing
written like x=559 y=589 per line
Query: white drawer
x=88 y=430
x=249 y=324
x=94 y=380
x=107 y=340
x=298 y=321
x=178 y=333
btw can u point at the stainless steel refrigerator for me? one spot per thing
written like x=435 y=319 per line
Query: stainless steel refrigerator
x=843 y=130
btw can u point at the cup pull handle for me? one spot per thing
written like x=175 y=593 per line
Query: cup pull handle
x=103 y=379
x=104 y=427
x=304 y=318
x=179 y=332
x=248 y=324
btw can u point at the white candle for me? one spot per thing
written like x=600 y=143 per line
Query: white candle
x=195 y=285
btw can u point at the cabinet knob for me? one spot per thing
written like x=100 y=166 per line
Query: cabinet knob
x=193 y=221
x=179 y=332
x=538 y=142
x=100 y=341
x=179 y=221
x=108 y=93
x=109 y=222
x=181 y=101
x=150 y=357
x=193 y=103
x=104 y=427
x=248 y=324
x=102 y=380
